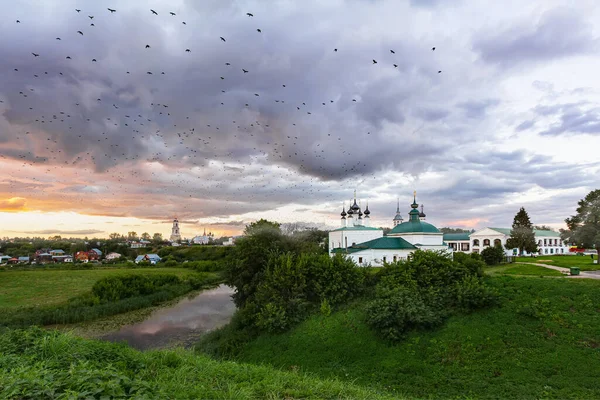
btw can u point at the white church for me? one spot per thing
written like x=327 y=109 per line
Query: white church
x=367 y=245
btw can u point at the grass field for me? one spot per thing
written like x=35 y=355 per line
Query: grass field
x=522 y=269
x=542 y=342
x=45 y=287
x=583 y=262
x=38 y=364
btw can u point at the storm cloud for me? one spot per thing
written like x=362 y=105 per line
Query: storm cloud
x=328 y=97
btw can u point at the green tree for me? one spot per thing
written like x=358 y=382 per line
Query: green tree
x=114 y=236
x=132 y=235
x=146 y=236
x=262 y=225
x=454 y=230
x=521 y=235
x=157 y=237
x=584 y=227
x=493 y=255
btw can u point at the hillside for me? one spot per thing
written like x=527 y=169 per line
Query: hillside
x=46 y=364
x=541 y=342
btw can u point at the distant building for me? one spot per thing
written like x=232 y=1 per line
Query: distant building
x=112 y=256
x=175 y=234
x=204 y=239
x=24 y=260
x=151 y=258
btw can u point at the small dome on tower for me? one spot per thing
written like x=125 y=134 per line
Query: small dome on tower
x=343 y=214
x=367 y=212
x=355 y=206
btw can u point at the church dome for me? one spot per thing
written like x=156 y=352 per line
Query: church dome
x=343 y=214
x=355 y=206
x=414 y=227
x=367 y=212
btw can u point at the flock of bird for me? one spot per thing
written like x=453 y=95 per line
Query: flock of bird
x=291 y=158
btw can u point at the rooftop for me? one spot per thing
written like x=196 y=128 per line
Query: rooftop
x=382 y=243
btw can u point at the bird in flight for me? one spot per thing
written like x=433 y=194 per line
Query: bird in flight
x=433 y=49
x=81 y=33
x=439 y=72
x=153 y=12
x=172 y=13
x=187 y=50
x=245 y=71
x=35 y=55
x=258 y=30
x=222 y=38
x=395 y=65
x=111 y=10
x=57 y=38
x=77 y=10
x=374 y=62
x=90 y=16
x=18 y=22
x=147 y=46
x=250 y=14
x=392 y=51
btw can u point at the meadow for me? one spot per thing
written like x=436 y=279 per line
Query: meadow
x=47 y=287
x=522 y=269
x=541 y=342
x=583 y=262
x=40 y=364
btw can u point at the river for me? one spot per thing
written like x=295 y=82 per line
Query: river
x=181 y=324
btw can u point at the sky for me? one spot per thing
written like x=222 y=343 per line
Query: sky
x=109 y=124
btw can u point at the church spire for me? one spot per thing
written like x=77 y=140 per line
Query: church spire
x=414 y=213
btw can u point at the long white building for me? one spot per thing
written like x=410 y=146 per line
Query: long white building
x=549 y=242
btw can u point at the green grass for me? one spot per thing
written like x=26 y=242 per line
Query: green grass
x=47 y=287
x=522 y=269
x=543 y=341
x=45 y=364
x=583 y=262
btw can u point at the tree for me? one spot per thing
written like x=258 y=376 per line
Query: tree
x=584 y=227
x=146 y=236
x=114 y=236
x=521 y=235
x=262 y=225
x=493 y=255
x=542 y=228
x=157 y=237
x=132 y=235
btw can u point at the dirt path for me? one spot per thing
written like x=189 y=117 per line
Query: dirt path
x=583 y=274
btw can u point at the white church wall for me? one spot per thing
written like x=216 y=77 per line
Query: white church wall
x=376 y=257
x=424 y=239
x=337 y=239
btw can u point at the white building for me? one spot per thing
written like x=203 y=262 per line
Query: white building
x=112 y=256
x=549 y=242
x=204 y=238
x=368 y=246
x=175 y=235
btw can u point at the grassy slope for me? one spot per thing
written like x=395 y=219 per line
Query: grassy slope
x=43 y=287
x=583 y=262
x=45 y=364
x=510 y=351
x=522 y=269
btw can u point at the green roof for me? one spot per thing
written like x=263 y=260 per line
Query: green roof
x=537 y=232
x=456 y=236
x=356 y=228
x=414 y=226
x=382 y=243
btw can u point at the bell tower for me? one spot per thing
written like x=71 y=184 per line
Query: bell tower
x=175 y=235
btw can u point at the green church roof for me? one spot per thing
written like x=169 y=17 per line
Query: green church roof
x=356 y=228
x=413 y=226
x=456 y=236
x=382 y=243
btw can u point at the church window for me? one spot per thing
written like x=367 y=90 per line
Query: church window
x=360 y=260
x=394 y=258
x=486 y=242
x=384 y=259
x=476 y=242
x=497 y=242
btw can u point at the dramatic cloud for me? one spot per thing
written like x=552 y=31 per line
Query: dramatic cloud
x=285 y=123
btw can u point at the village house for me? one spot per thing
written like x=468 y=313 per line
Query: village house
x=151 y=258
x=112 y=256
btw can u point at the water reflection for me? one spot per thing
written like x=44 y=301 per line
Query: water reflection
x=181 y=324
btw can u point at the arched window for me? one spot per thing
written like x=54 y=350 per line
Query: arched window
x=475 y=242
x=486 y=242
x=497 y=242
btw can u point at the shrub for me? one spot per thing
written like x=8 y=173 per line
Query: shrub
x=493 y=255
x=397 y=310
x=114 y=288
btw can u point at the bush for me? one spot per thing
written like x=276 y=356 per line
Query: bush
x=422 y=292
x=397 y=310
x=493 y=255
x=114 y=288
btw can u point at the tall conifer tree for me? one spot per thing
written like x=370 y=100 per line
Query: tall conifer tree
x=521 y=235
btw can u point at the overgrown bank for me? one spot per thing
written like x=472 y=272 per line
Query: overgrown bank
x=541 y=342
x=39 y=364
x=109 y=296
